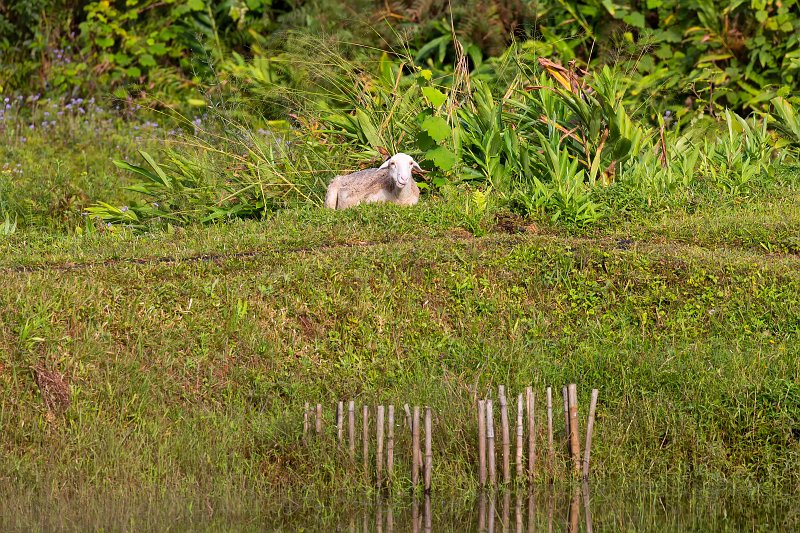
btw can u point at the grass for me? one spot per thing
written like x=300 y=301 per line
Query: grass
x=190 y=351
x=188 y=376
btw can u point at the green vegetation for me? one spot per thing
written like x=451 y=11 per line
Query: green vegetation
x=613 y=199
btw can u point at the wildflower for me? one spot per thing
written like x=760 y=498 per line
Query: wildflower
x=124 y=209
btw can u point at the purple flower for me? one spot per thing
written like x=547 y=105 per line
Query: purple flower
x=124 y=208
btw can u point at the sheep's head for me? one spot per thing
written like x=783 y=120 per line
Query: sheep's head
x=400 y=167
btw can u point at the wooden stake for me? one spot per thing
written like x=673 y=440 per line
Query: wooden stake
x=319 y=420
x=587 y=510
x=428 y=451
x=481 y=512
x=530 y=404
x=589 y=430
x=518 y=512
x=379 y=449
x=490 y=443
x=414 y=514
x=365 y=438
x=340 y=422
x=505 y=510
x=505 y=435
x=574 y=439
x=351 y=429
x=482 y=442
x=566 y=417
x=550 y=451
x=519 y=437
x=390 y=448
x=414 y=447
x=305 y=421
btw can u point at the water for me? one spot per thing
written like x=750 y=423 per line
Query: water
x=581 y=508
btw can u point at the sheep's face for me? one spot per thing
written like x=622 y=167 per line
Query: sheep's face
x=400 y=167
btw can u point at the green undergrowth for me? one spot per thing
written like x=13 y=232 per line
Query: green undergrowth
x=188 y=370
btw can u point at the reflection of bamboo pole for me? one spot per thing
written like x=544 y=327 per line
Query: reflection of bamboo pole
x=589 y=430
x=414 y=447
x=505 y=434
x=587 y=511
x=414 y=514
x=518 y=456
x=550 y=512
x=389 y=517
x=379 y=447
x=482 y=442
x=481 y=512
x=319 y=420
x=428 y=453
x=427 y=514
x=492 y=511
x=365 y=439
x=390 y=448
x=574 y=440
x=506 y=510
x=530 y=404
x=490 y=443
x=531 y=511
x=574 y=512
x=339 y=424
x=351 y=428
x=550 y=451
x=379 y=515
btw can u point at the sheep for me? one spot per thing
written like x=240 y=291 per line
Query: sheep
x=392 y=182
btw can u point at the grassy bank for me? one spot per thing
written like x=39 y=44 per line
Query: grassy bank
x=188 y=367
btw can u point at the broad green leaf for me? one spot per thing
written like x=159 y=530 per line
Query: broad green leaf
x=436 y=127
x=434 y=96
x=442 y=157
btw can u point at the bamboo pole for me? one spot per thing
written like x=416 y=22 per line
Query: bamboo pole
x=379 y=448
x=319 y=420
x=505 y=434
x=490 y=443
x=351 y=429
x=550 y=451
x=589 y=430
x=574 y=439
x=365 y=438
x=410 y=425
x=482 y=442
x=339 y=422
x=414 y=447
x=518 y=512
x=530 y=404
x=390 y=448
x=566 y=417
x=305 y=421
x=518 y=457
x=428 y=451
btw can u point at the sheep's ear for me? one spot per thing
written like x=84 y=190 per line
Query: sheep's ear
x=416 y=167
x=386 y=163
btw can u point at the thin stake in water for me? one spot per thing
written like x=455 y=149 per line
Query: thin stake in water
x=428 y=451
x=482 y=442
x=530 y=404
x=351 y=429
x=505 y=434
x=518 y=457
x=490 y=443
x=390 y=448
x=379 y=448
x=589 y=430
